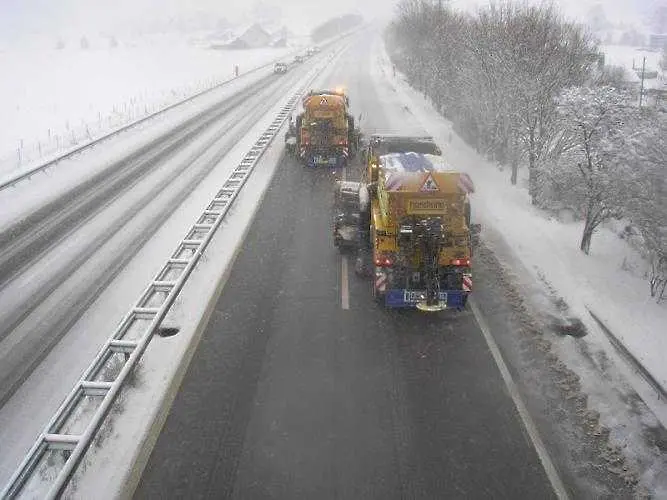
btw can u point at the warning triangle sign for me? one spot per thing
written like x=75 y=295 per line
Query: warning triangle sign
x=430 y=184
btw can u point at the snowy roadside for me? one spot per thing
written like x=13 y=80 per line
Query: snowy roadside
x=562 y=283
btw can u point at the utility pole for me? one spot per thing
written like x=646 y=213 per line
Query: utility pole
x=641 y=85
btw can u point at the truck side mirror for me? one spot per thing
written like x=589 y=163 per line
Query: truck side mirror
x=475 y=230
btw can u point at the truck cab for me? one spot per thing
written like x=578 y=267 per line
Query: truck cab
x=382 y=144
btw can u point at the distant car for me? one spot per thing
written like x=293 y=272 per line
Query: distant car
x=280 y=67
x=298 y=59
x=310 y=51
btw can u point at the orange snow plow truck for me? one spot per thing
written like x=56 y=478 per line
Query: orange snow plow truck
x=325 y=131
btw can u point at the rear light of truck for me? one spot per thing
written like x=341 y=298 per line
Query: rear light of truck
x=461 y=262
x=383 y=261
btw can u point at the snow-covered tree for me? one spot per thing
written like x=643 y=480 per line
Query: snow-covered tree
x=499 y=75
x=559 y=55
x=592 y=173
x=495 y=74
x=647 y=203
x=611 y=76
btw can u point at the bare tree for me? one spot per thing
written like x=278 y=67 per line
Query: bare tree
x=592 y=172
x=495 y=74
x=611 y=76
x=499 y=76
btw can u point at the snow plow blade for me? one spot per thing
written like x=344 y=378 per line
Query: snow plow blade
x=423 y=306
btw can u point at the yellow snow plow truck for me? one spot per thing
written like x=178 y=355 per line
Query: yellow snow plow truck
x=325 y=130
x=420 y=233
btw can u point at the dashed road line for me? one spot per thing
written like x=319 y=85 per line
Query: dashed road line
x=345 y=288
x=344 y=279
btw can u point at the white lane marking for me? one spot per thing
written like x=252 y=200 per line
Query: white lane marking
x=344 y=288
x=529 y=424
x=344 y=283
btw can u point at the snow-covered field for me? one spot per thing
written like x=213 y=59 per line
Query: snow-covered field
x=54 y=99
x=621 y=55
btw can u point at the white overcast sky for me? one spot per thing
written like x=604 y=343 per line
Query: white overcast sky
x=52 y=16
x=80 y=17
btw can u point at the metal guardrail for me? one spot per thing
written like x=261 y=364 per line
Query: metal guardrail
x=96 y=391
x=629 y=357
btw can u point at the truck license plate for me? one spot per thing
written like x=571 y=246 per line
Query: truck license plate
x=324 y=160
x=414 y=296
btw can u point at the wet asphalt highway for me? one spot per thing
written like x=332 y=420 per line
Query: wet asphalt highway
x=290 y=395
